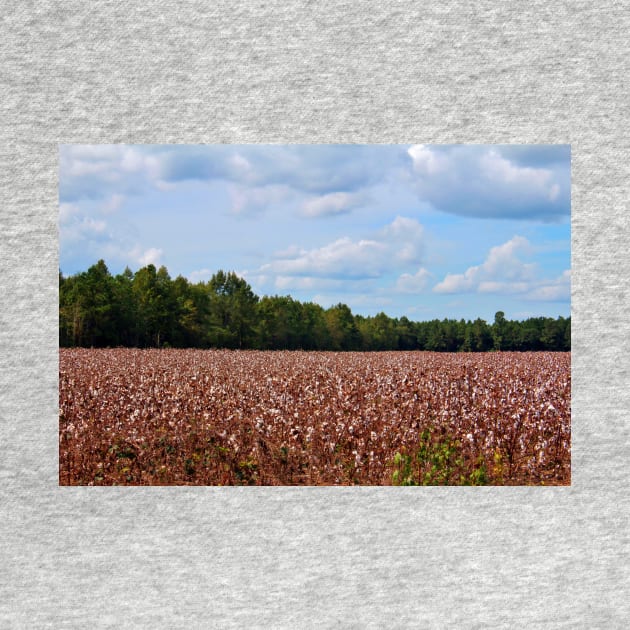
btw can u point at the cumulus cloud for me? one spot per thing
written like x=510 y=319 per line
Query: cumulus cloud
x=323 y=169
x=427 y=161
x=150 y=256
x=413 y=283
x=556 y=290
x=74 y=227
x=103 y=171
x=503 y=272
x=331 y=204
x=97 y=237
x=97 y=171
x=501 y=171
x=500 y=182
x=397 y=244
x=107 y=194
x=525 y=182
x=407 y=239
x=343 y=257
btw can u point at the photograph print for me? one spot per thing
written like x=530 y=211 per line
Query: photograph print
x=315 y=315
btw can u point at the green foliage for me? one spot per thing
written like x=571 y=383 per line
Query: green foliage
x=149 y=309
x=232 y=314
x=479 y=475
x=436 y=462
x=344 y=334
x=246 y=472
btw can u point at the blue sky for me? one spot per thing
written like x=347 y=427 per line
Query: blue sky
x=426 y=231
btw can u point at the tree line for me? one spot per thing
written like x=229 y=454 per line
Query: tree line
x=149 y=309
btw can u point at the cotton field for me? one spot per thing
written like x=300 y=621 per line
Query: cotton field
x=219 y=417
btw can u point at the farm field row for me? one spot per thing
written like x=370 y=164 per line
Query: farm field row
x=220 y=417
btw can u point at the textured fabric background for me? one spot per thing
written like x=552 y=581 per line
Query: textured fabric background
x=208 y=72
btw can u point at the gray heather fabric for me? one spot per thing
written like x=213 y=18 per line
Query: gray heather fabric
x=207 y=72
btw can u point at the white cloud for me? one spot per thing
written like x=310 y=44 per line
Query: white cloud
x=104 y=171
x=332 y=204
x=498 y=169
x=342 y=257
x=503 y=260
x=289 y=207
x=97 y=171
x=413 y=283
x=242 y=166
x=102 y=237
x=341 y=287
x=132 y=161
x=426 y=161
x=482 y=181
x=397 y=244
x=500 y=273
x=530 y=182
x=406 y=237
x=557 y=290
x=150 y=256
x=455 y=283
x=75 y=228
x=503 y=272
